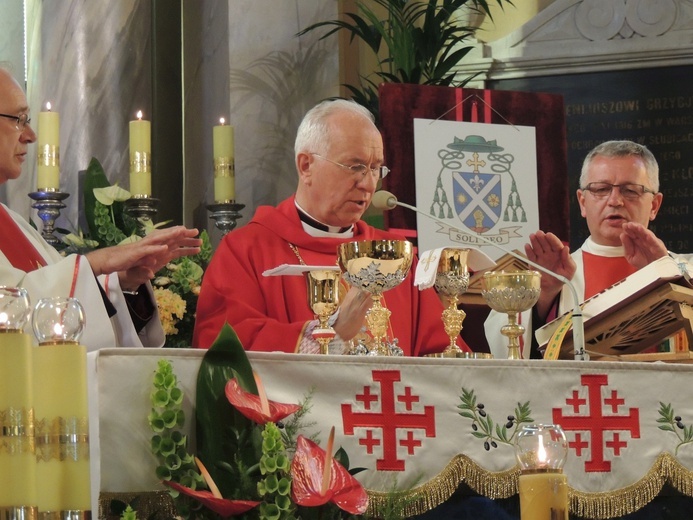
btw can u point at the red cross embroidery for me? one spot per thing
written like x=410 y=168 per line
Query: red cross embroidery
x=596 y=423
x=388 y=420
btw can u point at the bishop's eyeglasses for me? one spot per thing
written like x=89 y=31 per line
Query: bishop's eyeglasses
x=20 y=121
x=359 y=170
x=601 y=190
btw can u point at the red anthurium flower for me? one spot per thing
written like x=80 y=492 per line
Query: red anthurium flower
x=221 y=506
x=308 y=474
x=256 y=407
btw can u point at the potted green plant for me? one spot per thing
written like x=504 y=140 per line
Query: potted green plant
x=417 y=41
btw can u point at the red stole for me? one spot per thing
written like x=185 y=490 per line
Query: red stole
x=604 y=271
x=16 y=246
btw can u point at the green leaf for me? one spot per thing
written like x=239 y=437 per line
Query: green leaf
x=225 y=360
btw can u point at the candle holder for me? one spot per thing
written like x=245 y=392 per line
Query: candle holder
x=225 y=214
x=541 y=450
x=142 y=209
x=48 y=203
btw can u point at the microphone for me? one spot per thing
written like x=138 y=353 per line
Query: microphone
x=386 y=201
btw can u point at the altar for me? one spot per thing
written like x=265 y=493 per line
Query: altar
x=427 y=425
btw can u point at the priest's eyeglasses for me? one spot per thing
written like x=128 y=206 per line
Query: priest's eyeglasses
x=601 y=190
x=379 y=172
x=20 y=121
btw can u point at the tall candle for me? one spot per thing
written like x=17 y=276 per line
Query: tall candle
x=62 y=428
x=17 y=456
x=48 y=150
x=140 y=157
x=543 y=495
x=224 y=172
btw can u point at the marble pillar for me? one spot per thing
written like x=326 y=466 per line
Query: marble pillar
x=91 y=60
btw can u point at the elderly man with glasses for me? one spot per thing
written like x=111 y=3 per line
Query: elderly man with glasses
x=339 y=159
x=111 y=283
x=618 y=196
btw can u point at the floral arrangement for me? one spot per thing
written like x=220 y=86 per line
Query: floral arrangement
x=176 y=286
x=251 y=462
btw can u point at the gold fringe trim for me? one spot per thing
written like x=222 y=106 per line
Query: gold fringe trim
x=423 y=498
x=503 y=484
x=150 y=504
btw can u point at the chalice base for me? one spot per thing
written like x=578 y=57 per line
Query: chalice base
x=323 y=337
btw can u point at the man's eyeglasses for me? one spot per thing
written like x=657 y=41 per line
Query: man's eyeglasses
x=379 y=172
x=20 y=121
x=601 y=190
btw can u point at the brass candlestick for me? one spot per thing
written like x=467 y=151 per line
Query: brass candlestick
x=511 y=292
x=452 y=281
x=225 y=214
x=376 y=266
x=48 y=204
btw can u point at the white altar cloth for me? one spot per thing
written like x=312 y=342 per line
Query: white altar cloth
x=400 y=417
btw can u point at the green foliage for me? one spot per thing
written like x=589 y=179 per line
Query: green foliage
x=670 y=422
x=484 y=427
x=168 y=444
x=419 y=41
x=275 y=485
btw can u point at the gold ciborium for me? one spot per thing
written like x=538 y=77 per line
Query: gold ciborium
x=376 y=266
x=323 y=299
x=511 y=292
x=452 y=281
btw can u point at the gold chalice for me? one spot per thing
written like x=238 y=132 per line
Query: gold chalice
x=511 y=292
x=376 y=266
x=452 y=281
x=323 y=299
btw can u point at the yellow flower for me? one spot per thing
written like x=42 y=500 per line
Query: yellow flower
x=171 y=309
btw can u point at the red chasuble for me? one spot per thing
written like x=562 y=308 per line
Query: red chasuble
x=604 y=271
x=16 y=246
x=270 y=313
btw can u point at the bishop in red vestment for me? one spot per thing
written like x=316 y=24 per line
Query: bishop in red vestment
x=339 y=156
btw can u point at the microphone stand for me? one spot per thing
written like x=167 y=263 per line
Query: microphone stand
x=578 y=325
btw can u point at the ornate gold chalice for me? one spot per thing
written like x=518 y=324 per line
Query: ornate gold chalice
x=323 y=299
x=452 y=281
x=511 y=292
x=376 y=266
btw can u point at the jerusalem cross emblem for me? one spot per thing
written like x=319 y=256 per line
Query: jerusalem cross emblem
x=389 y=420
x=598 y=417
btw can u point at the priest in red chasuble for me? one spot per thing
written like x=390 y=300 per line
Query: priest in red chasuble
x=618 y=196
x=101 y=279
x=339 y=158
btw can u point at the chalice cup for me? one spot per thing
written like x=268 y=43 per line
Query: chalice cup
x=452 y=281
x=323 y=299
x=376 y=266
x=511 y=292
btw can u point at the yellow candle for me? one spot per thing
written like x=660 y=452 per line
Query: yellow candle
x=17 y=455
x=62 y=428
x=543 y=496
x=224 y=171
x=140 y=157
x=48 y=150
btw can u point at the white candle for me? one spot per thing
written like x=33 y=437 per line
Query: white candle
x=224 y=172
x=48 y=150
x=140 y=157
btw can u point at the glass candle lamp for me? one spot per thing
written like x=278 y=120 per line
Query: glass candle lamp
x=60 y=397
x=541 y=450
x=18 y=495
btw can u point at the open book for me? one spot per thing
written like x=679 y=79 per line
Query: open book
x=662 y=271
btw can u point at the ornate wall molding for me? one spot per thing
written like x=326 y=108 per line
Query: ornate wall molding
x=577 y=36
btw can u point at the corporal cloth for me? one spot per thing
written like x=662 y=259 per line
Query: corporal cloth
x=63 y=276
x=271 y=313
